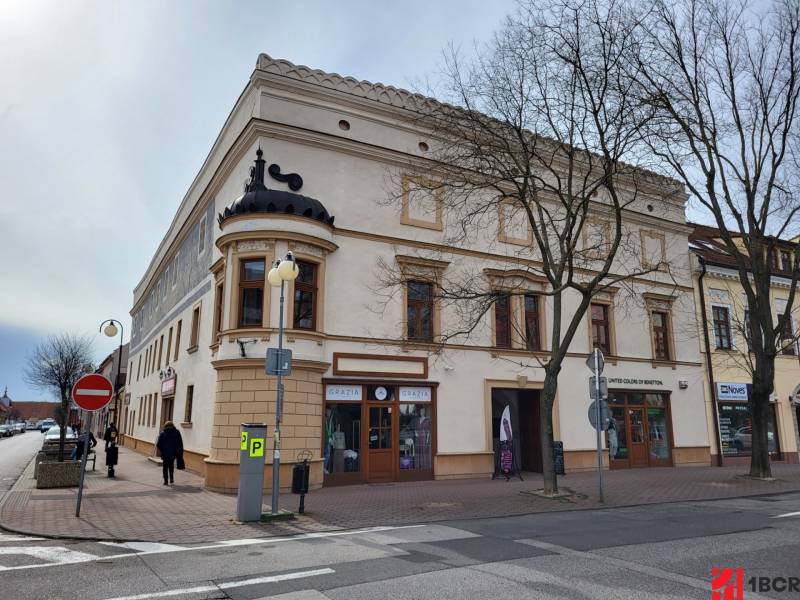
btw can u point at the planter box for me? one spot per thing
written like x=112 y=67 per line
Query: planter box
x=58 y=474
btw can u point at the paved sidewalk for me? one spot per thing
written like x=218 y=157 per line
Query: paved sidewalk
x=136 y=506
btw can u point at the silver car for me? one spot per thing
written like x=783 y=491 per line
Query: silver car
x=54 y=433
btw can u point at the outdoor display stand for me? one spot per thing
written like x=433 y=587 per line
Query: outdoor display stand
x=251 y=472
x=509 y=465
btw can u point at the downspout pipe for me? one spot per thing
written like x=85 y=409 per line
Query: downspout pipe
x=709 y=364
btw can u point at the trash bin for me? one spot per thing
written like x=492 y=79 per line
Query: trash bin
x=112 y=456
x=300 y=474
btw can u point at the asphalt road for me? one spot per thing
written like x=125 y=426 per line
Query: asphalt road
x=15 y=454
x=655 y=552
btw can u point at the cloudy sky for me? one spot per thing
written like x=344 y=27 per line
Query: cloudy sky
x=108 y=109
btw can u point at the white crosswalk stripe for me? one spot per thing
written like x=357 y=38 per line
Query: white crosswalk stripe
x=51 y=554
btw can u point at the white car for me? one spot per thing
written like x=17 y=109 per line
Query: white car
x=54 y=433
x=46 y=424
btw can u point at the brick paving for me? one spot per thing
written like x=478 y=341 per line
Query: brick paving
x=136 y=506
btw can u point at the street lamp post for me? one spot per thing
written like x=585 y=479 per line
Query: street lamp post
x=281 y=272
x=110 y=330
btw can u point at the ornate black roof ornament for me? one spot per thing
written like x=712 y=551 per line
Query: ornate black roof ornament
x=257 y=198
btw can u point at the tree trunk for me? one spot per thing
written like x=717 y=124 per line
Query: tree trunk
x=761 y=414
x=546 y=400
x=63 y=431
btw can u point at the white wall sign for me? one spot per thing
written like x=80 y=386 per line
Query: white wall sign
x=732 y=391
x=342 y=392
x=415 y=394
x=633 y=381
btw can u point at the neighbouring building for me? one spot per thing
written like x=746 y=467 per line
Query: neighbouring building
x=727 y=375
x=5 y=406
x=367 y=399
x=115 y=368
x=35 y=411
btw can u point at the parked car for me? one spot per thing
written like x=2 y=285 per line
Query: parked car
x=6 y=430
x=53 y=434
x=31 y=425
x=19 y=427
x=46 y=424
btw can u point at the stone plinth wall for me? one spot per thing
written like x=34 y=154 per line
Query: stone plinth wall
x=245 y=394
x=58 y=474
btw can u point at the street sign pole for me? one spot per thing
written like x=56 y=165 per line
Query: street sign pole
x=85 y=435
x=598 y=402
x=91 y=393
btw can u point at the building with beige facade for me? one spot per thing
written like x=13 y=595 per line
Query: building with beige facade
x=373 y=396
x=727 y=357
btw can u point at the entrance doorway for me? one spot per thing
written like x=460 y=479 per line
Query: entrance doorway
x=640 y=434
x=524 y=409
x=380 y=448
x=166 y=409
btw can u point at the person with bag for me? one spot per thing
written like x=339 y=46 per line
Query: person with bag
x=170 y=447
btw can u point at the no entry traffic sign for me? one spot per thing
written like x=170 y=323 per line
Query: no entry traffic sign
x=92 y=392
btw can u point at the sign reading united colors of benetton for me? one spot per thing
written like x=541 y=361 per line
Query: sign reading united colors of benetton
x=92 y=392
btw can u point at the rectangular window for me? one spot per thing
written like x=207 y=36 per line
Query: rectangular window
x=160 y=352
x=736 y=432
x=661 y=335
x=195 y=328
x=155 y=410
x=502 y=321
x=218 y=308
x=601 y=332
x=419 y=311
x=533 y=338
x=169 y=346
x=147 y=361
x=149 y=409
x=187 y=414
x=722 y=327
x=130 y=374
x=139 y=422
x=201 y=235
x=177 y=341
x=786 y=260
x=305 y=296
x=139 y=367
x=251 y=293
x=788 y=343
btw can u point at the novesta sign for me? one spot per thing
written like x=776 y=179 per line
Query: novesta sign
x=732 y=391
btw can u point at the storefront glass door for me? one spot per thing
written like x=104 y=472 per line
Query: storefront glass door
x=380 y=447
x=640 y=433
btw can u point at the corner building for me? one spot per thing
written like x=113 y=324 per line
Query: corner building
x=322 y=157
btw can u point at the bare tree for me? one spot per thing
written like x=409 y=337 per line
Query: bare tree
x=56 y=365
x=543 y=125
x=723 y=79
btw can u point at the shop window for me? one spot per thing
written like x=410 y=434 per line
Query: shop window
x=788 y=341
x=533 y=339
x=305 y=296
x=722 y=327
x=419 y=311
x=177 y=340
x=187 y=413
x=661 y=340
x=736 y=429
x=502 y=321
x=601 y=330
x=342 y=451
x=195 y=334
x=251 y=293
x=415 y=437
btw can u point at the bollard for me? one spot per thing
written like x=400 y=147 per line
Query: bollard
x=251 y=472
x=112 y=457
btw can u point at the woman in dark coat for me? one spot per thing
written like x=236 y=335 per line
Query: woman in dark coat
x=170 y=446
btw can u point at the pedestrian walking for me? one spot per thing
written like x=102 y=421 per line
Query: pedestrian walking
x=170 y=447
x=77 y=453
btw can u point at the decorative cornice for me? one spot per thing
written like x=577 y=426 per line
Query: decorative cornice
x=239 y=363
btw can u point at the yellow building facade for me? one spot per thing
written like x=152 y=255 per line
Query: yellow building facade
x=722 y=312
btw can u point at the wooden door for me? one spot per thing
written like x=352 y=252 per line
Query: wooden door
x=380 y=443
x=637 y=437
